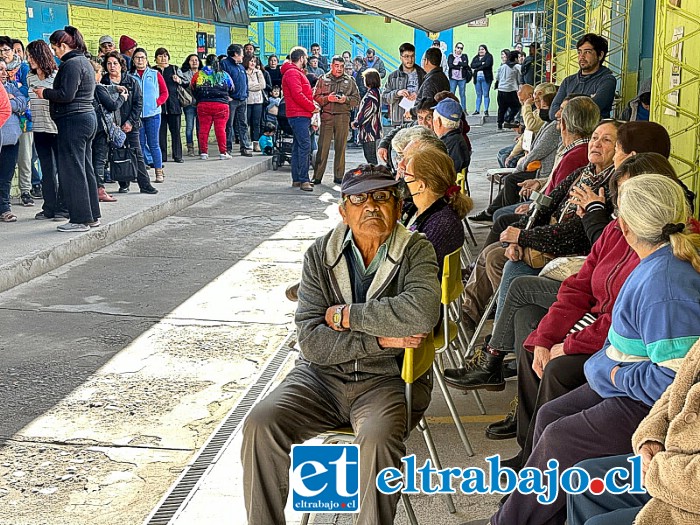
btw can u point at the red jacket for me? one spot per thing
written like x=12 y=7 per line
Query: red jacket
x=573 y=160
x=593 y=289
x=298 y=97
x=5 y=107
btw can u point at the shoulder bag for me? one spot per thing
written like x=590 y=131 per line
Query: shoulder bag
x=123 y=163
x=184 y=96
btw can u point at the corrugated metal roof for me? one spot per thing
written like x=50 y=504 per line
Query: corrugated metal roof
x=434 y=16
x=326 y=4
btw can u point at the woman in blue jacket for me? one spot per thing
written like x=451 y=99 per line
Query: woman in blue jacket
x=654 y=325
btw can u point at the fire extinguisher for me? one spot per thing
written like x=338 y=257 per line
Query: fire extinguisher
x=550 y=68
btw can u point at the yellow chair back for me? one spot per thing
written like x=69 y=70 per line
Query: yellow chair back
x=452 y=286
x=417 y=361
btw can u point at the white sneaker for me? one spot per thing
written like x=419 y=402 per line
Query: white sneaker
x=224 y=156
x=73 y=227
x=204 y=156
x=95 y=224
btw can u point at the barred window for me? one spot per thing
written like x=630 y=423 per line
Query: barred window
x=528 y=27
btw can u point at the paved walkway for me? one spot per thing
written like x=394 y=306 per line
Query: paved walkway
x=218 y=496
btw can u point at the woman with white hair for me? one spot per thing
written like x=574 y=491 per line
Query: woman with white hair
x=654 y=325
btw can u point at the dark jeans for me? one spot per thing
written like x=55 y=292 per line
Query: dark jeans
x=579 y=425
x=100 y=153
x=510 y=191
x=254 y=116
x=301 y=148
x=499 y=226
x=8 y=162
x=370 y=151
x=149 y=130
x=191 y=122
x=75 y=172
x=507 y=100
x=237 y=119
x=142 y=178
x=47 y=149
x=172 y=123
x=604 y=509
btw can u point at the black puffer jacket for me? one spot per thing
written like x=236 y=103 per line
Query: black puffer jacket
x=131 y=108
x=434 y=82
x=73 y=88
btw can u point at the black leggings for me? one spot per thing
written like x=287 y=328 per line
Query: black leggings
x=507 y=99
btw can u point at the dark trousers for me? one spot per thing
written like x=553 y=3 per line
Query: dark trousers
x=237 y=120
x=301 y=148
x=142 y=178
x=370 y=151
x=254 y=117
x=579 y=425
x=47 y=149
x=604 y=509
x=8 y=162
x=499 y=226
x=308 y=402
x=75 y=172
x=560 y=376
x=507 y=100
x=510 y=191
x=100 y=153
x=172 y=123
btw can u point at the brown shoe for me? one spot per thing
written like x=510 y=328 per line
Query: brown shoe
x=160 y=176
x=306 y=186
x=296 y=184
x=292 y=292
x=103 y=196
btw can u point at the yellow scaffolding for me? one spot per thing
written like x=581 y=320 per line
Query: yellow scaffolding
x=676 y=83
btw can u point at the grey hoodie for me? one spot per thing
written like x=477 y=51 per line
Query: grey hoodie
x=403 y=300
x=600 y=86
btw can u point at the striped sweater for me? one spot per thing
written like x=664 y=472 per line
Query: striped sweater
x=655 y=321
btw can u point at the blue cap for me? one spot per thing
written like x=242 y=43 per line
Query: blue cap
x=449 y=109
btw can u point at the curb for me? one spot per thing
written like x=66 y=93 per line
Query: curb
x=38 y=263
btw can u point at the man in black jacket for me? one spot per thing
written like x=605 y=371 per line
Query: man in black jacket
x=446 y=118
x=435 y=79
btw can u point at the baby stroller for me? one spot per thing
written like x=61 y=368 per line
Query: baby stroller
x=284 y=137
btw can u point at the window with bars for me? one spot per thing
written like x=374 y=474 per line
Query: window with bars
x=528 y=27
x=305 y=34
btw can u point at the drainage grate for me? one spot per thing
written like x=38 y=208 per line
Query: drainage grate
x=182 y=490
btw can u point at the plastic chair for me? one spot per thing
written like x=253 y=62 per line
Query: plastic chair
x=452 y=288
x=416 y=362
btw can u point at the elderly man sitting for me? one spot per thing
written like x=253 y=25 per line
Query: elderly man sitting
x=447 y=116
x=369 y=289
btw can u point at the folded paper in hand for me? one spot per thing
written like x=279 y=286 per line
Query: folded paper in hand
x=406 y=103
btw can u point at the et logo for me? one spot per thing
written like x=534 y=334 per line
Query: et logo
x=325 y=478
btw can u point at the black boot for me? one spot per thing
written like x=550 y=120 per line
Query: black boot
x=506 y=428
x=484 y=370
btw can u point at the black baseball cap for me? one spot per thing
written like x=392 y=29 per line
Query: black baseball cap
x=365 y=178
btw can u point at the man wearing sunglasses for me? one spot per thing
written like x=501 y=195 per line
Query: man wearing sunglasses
x=369 y=289
x=106 y=44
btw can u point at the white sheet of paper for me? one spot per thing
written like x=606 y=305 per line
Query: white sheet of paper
x=407 y=104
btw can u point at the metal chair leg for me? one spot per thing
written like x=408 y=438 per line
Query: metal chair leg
x=409 y=510
x=479 y=403
x=428 y=438
x=453 y=410
x=482 y=322
x=471 y=233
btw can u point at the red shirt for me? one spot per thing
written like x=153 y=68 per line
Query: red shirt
x=574 y=159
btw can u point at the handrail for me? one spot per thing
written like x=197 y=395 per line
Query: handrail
x=347 y=34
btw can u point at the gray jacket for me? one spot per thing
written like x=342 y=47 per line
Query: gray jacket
x=397 y=81
x=403 y=300
x=544 y=149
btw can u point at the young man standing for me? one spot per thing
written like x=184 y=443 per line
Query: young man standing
x=238 y=117
x=404 y=82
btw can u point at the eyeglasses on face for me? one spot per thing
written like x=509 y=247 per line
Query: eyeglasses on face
x=460 y=47
x=139 y=57
x=107 y=44
x=6 y=50
x=408 y=55
x=378 y=196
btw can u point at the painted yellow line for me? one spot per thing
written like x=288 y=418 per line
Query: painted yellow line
x=441 y=420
